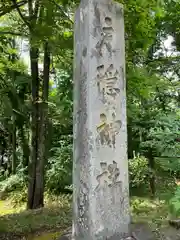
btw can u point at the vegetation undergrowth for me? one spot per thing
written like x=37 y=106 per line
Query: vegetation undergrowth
x=56 y=216
x=50 y=222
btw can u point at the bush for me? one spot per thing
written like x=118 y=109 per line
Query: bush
x=18 y=198
x=138 y=172
x=14 y=182
x=59 y=175
x=11 y=184
x=174 y=203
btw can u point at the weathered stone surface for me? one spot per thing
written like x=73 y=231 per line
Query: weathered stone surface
x=100 y=174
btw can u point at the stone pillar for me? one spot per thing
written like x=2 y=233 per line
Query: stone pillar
x=100 y=172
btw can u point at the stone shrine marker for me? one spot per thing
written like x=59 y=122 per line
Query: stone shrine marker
x=100 y=172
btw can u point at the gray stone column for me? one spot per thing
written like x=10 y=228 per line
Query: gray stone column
x=100 y=172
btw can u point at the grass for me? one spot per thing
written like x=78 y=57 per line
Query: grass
x=155 y=212
x=49 y=223
x=46 y=236
x=55 y=217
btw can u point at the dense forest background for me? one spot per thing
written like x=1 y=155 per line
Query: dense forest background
x=36 y=99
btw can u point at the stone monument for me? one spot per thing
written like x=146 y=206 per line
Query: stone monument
x=100 y=172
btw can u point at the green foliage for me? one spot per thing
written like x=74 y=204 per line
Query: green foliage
x=171 y=21
x=56 y=215
x=59 y=174
x=18 y=197
x=13 y=183
x=152 y=212
x=174 y=203
x=163 y=138
x=138 y=172
x=164 y=135
x=170 y=164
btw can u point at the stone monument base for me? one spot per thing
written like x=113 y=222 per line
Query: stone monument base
x=64 y=237
x=140 y=231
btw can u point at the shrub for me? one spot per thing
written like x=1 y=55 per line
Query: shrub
x=60 y=173
x=14 y=183
x=174 y=203
x=17 y=198
x=138 y=172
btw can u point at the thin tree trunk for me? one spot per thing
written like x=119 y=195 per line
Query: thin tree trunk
x=2 y=157
x=14 y=158
x=130 y=142
x=25 y=147
x=34 y=55
x=14 y=147
x=152 y=168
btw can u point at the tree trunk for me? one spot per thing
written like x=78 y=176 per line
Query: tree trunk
x=14 y=147
x=130 y=142
x=152 y=168
x=14 y=158
x=34 y=55
x=25 y=147
x=39 y=115
x=43 y=132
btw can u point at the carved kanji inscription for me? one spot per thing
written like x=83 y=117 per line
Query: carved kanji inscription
x=109 y=175
x=106 y=37
x=108 y=84
x=107 y=131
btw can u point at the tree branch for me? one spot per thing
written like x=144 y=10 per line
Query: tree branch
x=36 y=9
x=4 y=10
x=61 y=9
x=20 y=13
x=13 y=33
x=30 y=8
